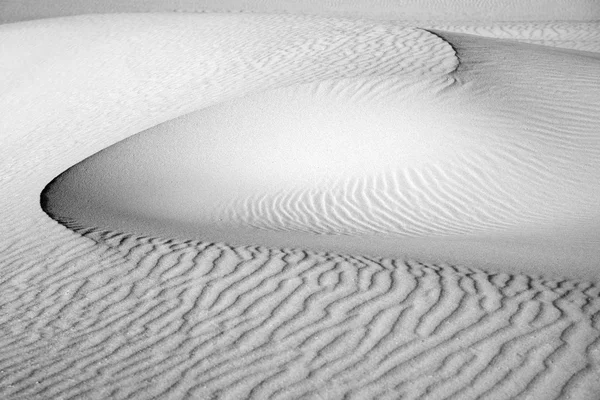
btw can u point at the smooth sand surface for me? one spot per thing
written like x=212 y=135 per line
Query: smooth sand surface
x=288 y=128
x=413 y=10
x=490 y=153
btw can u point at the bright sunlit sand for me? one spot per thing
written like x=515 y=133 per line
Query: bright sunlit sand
x=280 y=206
x=490 y=153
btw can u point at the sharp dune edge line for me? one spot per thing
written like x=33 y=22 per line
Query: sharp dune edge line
x=99 y=314
x=583 y=36
x=565 y=30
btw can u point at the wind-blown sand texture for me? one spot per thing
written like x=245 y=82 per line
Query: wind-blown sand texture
x=502 y=146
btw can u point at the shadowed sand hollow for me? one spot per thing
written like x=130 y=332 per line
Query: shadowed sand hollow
x=356 y=210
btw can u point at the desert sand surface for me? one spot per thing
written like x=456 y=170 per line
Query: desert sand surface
x=299 y=206
x=465 y=11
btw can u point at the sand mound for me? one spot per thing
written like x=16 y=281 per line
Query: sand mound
x=110 y=315
x=493 y=151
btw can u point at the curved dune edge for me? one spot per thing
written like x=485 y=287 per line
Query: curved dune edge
x=489 y=164
x=583 y=36
x=122 y=316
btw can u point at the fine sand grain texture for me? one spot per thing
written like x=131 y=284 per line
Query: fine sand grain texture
x=418 y=143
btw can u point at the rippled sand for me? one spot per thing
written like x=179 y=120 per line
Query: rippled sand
x=357 y=209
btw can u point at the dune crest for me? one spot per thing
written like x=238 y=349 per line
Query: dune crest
x=498 y=149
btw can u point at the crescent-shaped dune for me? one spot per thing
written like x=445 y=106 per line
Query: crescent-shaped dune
x=348 y=209
x=383 y=163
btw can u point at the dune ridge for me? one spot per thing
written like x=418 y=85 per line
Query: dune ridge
x=583 y=36
x=100 y=314
x=504 y=144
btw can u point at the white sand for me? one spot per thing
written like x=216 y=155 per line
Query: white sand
x=498 y=166
x=383 y=163
x=464 y=11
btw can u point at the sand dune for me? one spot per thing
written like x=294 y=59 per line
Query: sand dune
x=421 y=151
x=101 y=314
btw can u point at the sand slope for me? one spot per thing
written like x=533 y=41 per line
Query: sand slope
x=584 y=36
x=500 y=149
x=100 y=314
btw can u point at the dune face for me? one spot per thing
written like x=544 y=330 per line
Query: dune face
x=256 y=118
x=385 y=164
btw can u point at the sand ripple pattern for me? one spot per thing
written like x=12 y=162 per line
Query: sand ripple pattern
x=436 y=200
x=114 y=316
x=584 y=36
x=139 y=318
x=519 y=178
